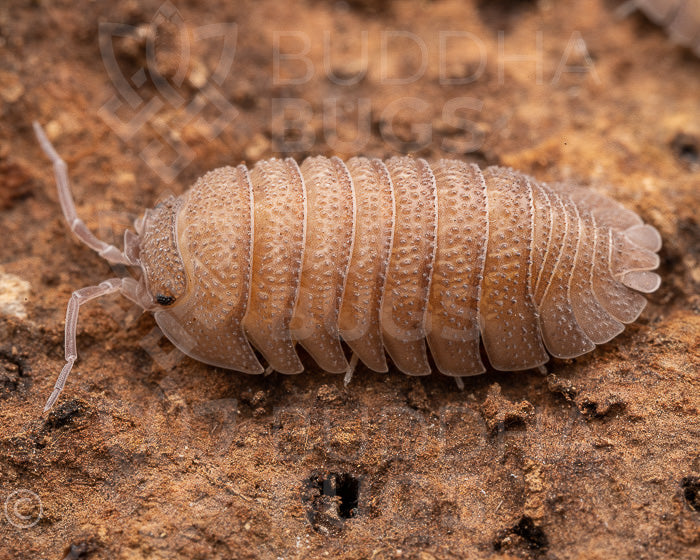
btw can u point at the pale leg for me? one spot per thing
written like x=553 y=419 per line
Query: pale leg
x=79 y=298
x=77 y=226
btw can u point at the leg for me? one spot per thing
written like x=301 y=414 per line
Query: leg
x=77 y=226
x=79 y=298
x=351 y=369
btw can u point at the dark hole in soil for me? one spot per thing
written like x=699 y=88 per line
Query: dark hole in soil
x=685 y=146
x=348 y=488
x=524 y=534
x=63 y=415
x=330 y=499
x=691 y=491
x=80 y=551
x=589 y=408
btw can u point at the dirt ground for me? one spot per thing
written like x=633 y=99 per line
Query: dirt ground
x=149 y=454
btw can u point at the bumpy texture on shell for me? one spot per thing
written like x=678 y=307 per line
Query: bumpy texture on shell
x=389 y=255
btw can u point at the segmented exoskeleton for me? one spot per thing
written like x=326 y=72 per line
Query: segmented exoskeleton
x=399 y=256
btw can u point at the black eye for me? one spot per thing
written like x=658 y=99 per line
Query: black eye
x=164 y=300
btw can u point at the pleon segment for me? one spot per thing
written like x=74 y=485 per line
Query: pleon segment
x=644 y=236
x=405 y=301
x=561 y=332
x=330 y=217
x=215 y=238
x=555 y=244
x=508 y=314
x=359 y=320
x=642 y=281
x=631 y=264
x=453 y=313
x=542 y=232
x=278 y=249
x=591 y=316
x=606 y=211
x=620 y=301
x=634 y=243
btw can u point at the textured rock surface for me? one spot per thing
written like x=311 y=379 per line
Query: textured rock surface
x=151 y=455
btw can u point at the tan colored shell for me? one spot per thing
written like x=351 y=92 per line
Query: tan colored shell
x=389 y=255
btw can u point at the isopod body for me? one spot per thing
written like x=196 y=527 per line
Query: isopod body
x=396 y=256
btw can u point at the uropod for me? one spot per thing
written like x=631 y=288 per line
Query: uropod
x=397 y=257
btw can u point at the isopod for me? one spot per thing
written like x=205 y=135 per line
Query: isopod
x=680 y=18
x=395 y=256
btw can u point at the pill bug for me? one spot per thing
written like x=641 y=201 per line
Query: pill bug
x=680 y=18
x=398 y=256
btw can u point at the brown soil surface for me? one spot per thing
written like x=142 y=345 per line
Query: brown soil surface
x=152 y=455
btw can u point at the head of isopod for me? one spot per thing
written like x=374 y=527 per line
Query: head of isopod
x=159 y=286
